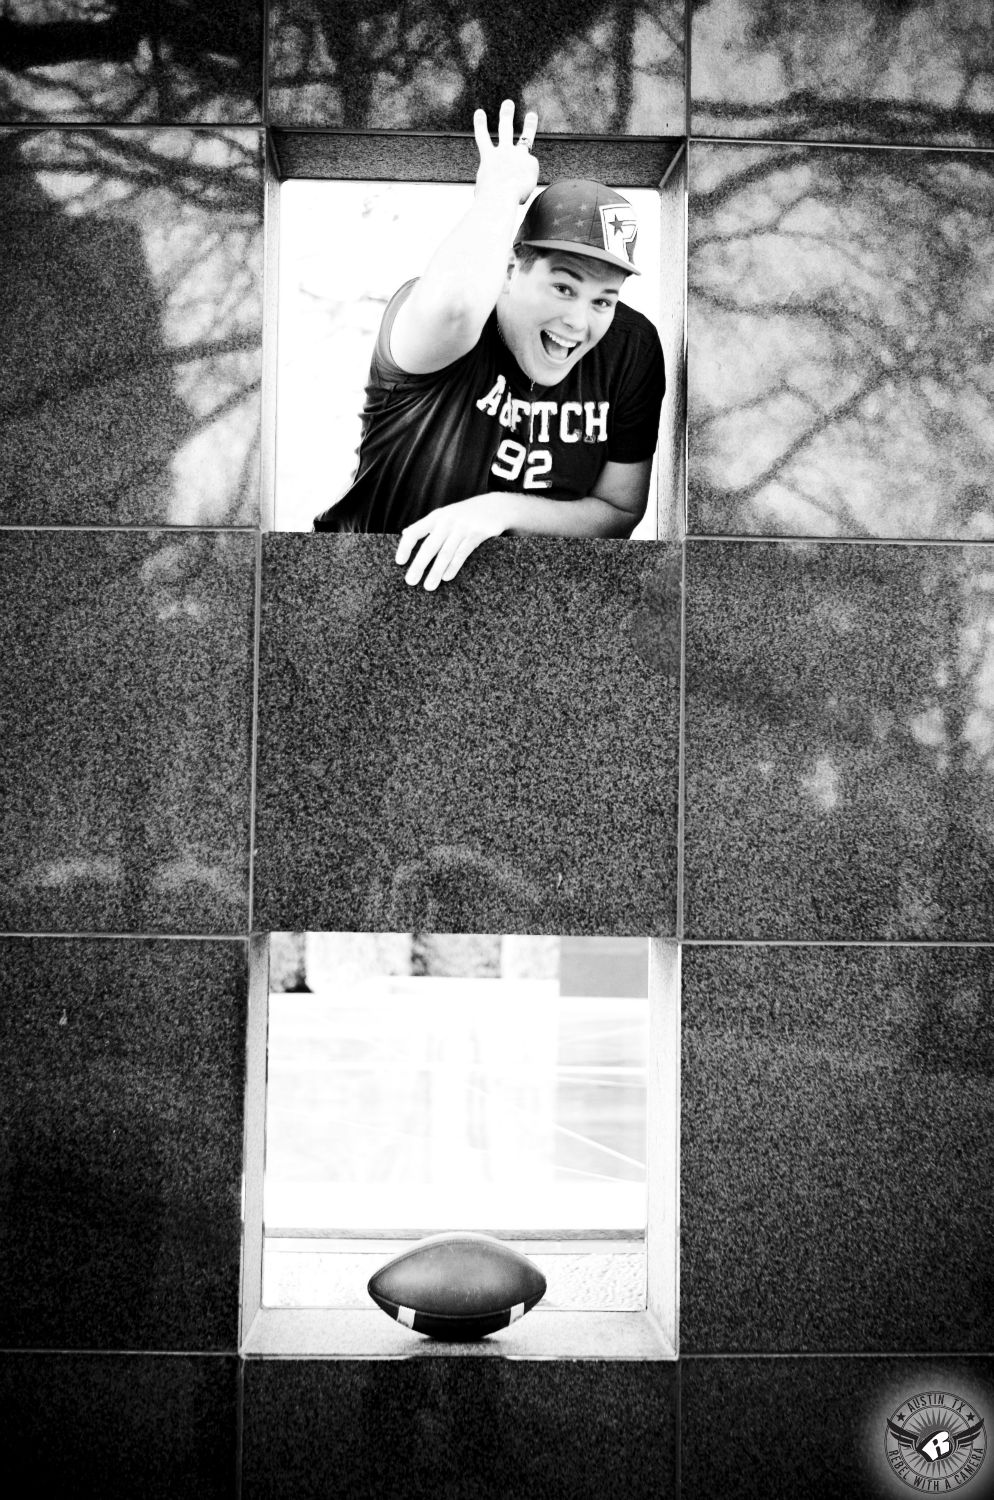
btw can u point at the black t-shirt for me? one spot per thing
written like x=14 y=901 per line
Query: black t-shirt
x=479 y=424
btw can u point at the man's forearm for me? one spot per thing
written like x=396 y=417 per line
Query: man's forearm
x=535 y=515
x=445 y=537
x=462 y=281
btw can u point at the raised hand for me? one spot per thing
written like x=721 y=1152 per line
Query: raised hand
x=506 y=166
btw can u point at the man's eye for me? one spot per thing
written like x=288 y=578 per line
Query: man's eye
x=562 y=286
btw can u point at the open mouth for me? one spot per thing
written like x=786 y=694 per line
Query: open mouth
x=556 y=348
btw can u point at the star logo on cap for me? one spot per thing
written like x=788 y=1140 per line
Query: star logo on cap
x=620 y=230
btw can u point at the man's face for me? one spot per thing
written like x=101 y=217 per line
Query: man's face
x=555 y=312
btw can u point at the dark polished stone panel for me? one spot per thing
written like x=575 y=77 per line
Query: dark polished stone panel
x=841 y=306
x=440 y=156
x=122 y=1075
x=836 y=1173
x=586 y=66
x=753 y=1429
x=164 y=61
x=839 y=742
x=114 y=1427
x=124 y=763
x=905 y=72
x=493 y=1429
x=131 y=322
x=500 y=756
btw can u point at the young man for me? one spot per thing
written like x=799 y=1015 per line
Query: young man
x=509 y=390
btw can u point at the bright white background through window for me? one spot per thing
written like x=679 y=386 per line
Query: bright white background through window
x=406 y=1098
x=345 y=248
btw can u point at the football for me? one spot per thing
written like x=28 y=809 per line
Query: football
x=457 y=1286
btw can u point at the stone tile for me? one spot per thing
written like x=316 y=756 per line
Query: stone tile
x=147 y=60
x=122 y=1074
x=131 y=311
x=494 y=1429
x=918 y=72
x=837 y=1114
x=498 y=757
x=756 y=1428
x=839 y=742
x=113 y=1427
x=124 y=763
x=842 y=360
x=585 y=67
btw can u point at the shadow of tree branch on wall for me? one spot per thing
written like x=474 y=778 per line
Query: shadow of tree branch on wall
x=131 y=317
x=898 y=71
x=414 y=64
x=112 y=60
x=842 y=307
x=425 y=64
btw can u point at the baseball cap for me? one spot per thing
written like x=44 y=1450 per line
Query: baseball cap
x=585 y=217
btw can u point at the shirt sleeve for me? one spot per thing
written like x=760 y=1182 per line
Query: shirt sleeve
x=635 y=416
x=385 y=374
x=383 y=368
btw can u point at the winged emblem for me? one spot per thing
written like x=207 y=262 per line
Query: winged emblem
x=935 y=1442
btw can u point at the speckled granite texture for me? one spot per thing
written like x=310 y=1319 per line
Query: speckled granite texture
x=840 y=314
x=839 y=742
x=586 y=66
x=158 y=60
x=491 y=1429
x=775 y=1429
x=116 y=1426
x=427 y=156
x=131 y=312
x=837 y=1114
x=122 y=1074
x=124 y=762
x=916 y=71
x=497 y=757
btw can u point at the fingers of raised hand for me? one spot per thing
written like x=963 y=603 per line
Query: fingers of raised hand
x=528 y=130
x=480 y=131
x=505 y=124
x=505 y=128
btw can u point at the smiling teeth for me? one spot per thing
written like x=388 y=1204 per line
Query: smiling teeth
x=561 y=342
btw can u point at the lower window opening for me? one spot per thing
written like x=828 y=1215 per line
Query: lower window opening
x=422 y=1083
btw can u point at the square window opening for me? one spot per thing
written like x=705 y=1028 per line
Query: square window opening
x=416 y=1084
x=344 y=248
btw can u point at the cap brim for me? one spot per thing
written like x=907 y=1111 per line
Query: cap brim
x=590 y=251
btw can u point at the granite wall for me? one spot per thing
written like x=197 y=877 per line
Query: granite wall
x=790 y=775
